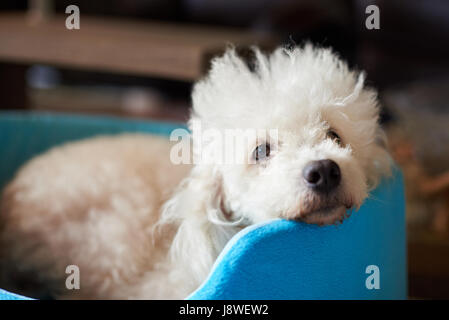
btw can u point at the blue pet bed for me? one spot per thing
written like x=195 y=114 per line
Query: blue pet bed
x=363 y=258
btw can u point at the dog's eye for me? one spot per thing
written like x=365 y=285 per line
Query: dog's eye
x=261 y=152
x=334 y=136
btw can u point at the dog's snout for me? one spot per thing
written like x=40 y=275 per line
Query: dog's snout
x=322 y=175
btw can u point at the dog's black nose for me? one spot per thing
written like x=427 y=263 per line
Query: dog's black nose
x=322 y=175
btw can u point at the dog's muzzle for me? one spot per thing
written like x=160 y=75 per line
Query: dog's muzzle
x=323 y=204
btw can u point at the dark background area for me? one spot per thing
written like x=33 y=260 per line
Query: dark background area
x=406 y=59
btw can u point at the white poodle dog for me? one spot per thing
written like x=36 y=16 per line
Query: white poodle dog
x=104 y=204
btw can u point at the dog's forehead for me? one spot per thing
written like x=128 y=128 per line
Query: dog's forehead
x=288 y=111
x=291 y=119
x=295 y=92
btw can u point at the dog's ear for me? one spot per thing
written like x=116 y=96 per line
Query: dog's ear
x=196 y=195
x=193 y=208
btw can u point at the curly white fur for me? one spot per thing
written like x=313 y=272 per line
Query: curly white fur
x=300 y=92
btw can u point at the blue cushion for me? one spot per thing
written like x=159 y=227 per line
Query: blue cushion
x=274 y=260
x=291 y=260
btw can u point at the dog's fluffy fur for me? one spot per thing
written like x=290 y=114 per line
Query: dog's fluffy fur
x=97 y=203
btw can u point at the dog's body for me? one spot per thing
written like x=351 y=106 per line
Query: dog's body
x=92 y=204
x=97 y=203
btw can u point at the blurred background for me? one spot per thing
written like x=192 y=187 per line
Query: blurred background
x=139 y=58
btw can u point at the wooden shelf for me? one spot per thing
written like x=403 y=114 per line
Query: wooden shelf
x=140 y=48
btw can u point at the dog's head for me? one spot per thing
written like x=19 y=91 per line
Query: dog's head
x=302 y=132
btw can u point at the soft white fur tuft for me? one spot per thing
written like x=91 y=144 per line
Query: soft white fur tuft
x=99 y=200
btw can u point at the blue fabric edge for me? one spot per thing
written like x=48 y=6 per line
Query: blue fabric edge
x=6 y=295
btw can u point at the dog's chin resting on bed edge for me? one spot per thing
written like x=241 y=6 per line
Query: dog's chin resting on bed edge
x=138 y=226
